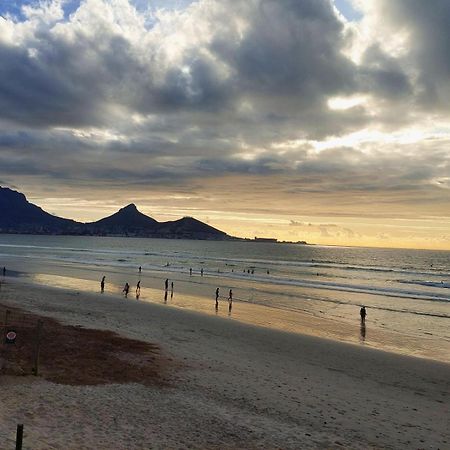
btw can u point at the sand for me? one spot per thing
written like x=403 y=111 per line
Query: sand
x=231 y=386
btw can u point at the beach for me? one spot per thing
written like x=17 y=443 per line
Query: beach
x=229 y=385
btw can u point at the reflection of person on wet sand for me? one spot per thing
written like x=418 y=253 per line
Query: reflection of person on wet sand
x=165 y=296
x=102 y=284
x=362 y=331
x=126 y=289
x=362 y=313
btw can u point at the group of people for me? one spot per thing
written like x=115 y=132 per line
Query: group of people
x=230 y=299
x=191 y=272
x=126 y=288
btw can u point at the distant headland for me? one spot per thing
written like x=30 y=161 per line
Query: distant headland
x=19 y=216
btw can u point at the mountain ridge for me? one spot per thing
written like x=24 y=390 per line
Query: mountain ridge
x=19 y=216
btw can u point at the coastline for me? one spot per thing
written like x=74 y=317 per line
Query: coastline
x=238 y=386
x=197 y=294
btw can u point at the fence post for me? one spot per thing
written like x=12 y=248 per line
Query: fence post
x=19 y=437
x=37 y=347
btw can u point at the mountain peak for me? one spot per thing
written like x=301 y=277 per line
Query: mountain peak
x=130 y=207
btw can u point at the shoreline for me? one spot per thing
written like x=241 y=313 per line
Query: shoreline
x=239 y=386
x=302 y=322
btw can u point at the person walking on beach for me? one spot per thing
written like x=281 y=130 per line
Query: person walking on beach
x=102 y=284
x=230 y=300
x=138 y=289
x=362 y=313
x=201 y=272
x=166 y=284
x=190 y=272
x=217 y=298
x=4 y=271
x=126 y=289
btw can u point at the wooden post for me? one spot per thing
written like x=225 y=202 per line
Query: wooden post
x=19 y=437
x=37 y=347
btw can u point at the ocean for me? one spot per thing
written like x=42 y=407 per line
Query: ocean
x=406 y=292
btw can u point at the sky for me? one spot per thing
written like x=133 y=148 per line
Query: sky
x=317 y=120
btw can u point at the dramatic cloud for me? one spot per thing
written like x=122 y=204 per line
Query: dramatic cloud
x=285 y=98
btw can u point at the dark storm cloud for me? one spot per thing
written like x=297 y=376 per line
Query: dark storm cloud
x=66 y=73
x=427 y=26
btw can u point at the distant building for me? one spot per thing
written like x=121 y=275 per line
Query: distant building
x=257 y=239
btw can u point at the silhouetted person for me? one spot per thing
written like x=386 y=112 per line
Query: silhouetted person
x=268 y=272
x=190 y=272
x=201 y=272
x=217 y=298
x=166 y=284
x=102 y=284
x=140 y=269
x=138 y=289
x=362 y=313
x=253 y=271
x=171 y=287
x=126 y=289
x=230 y=300
x=4 y=271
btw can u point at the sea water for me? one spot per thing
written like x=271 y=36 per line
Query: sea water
x=404 y=291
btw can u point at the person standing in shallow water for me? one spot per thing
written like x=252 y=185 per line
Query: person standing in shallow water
x=102 y=284
x=362 y=313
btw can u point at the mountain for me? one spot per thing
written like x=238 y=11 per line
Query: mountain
x=189 y=228
x=18 y=215
x=125 y=221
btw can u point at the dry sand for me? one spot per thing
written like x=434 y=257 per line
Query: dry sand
x=232 y=386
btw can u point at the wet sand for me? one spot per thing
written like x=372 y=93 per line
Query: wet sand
x=236 y=385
